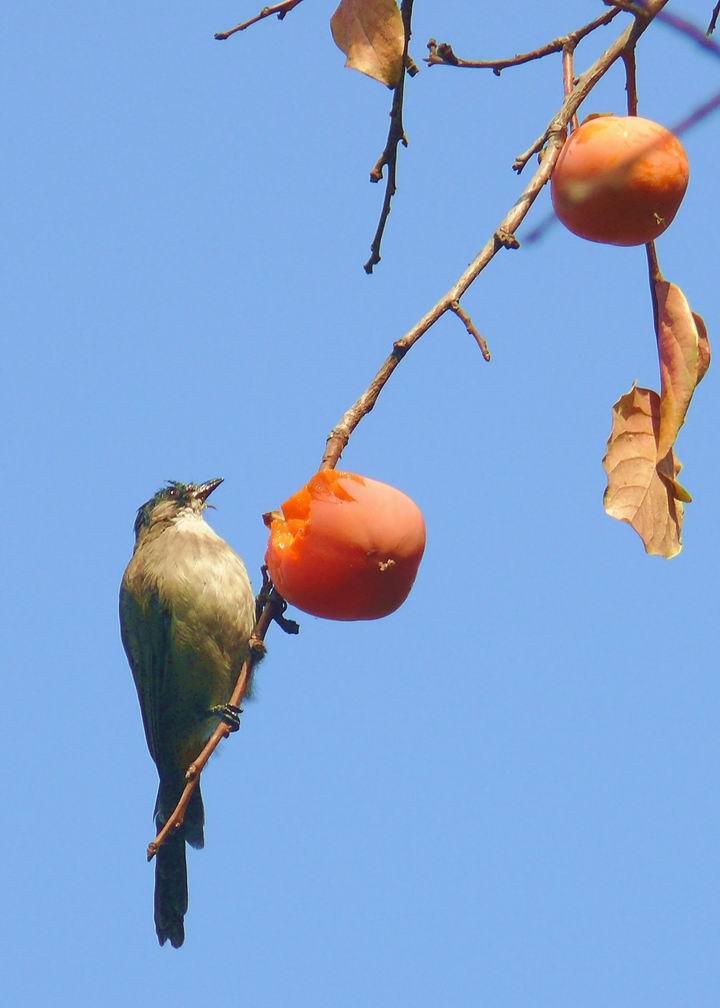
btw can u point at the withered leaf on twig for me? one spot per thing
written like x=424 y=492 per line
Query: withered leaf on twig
x=641 y=464
x=641 y=491
x=371 y=34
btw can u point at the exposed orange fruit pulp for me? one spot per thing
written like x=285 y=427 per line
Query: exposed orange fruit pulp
x=619 y=180
x=345 y=547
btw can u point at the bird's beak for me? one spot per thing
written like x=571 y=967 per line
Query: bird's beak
x=203 y=491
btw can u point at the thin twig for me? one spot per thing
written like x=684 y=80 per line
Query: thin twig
x=441 y=54
x=568 y=59
x=502 y=237
x=272 y=609
x=396 y=136
x=714 y=19
x=630 y=80
x=281 y=9
x=655 y=276
x=651 y=252
x=457 y=309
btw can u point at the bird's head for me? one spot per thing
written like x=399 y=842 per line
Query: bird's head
x=171 y=500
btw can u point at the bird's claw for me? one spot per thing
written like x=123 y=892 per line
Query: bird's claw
x=230 y=714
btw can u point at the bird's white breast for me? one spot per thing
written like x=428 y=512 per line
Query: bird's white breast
x=202 y=580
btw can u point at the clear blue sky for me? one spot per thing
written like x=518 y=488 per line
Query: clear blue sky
x=507 y=793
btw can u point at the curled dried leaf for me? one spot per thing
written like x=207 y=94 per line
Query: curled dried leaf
x=682 y=364
x=703 y=347
x=642 y=491
x=371 y=34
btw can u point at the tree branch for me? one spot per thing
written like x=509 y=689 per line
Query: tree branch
x=281 y=9
x=714 y=19
x=503 y=237
x=441 y=54
x=396 y=136
x=271 y=605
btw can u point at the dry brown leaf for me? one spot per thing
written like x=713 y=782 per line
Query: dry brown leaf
x=371 y=34
x=642 y=491
x=643 y=488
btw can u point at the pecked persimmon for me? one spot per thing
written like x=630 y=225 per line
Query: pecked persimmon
x=345 y=547
x=619 y=180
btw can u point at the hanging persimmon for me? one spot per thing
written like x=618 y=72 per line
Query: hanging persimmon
x=619 y=180
x=345 y=547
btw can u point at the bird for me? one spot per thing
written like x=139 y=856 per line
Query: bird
x=187 y=612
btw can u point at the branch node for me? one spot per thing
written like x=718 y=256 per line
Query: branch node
x=441 y=53
x=411 y=66
x=400 y=348
x=257 y=647
x=507 y=239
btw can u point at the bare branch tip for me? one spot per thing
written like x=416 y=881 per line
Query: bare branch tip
x=472 y=330
x=713 y=20
x=372 y=261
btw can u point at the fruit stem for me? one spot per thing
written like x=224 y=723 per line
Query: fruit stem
x=568 y=62
x=655 y=276
x=630 y=80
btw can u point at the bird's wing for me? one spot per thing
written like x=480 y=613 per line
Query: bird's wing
x=144 y=631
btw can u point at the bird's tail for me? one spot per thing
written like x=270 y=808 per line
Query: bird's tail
x=171 y=888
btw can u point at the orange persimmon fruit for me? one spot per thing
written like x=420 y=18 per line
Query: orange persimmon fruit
x=619 y=180
x=345 y=547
